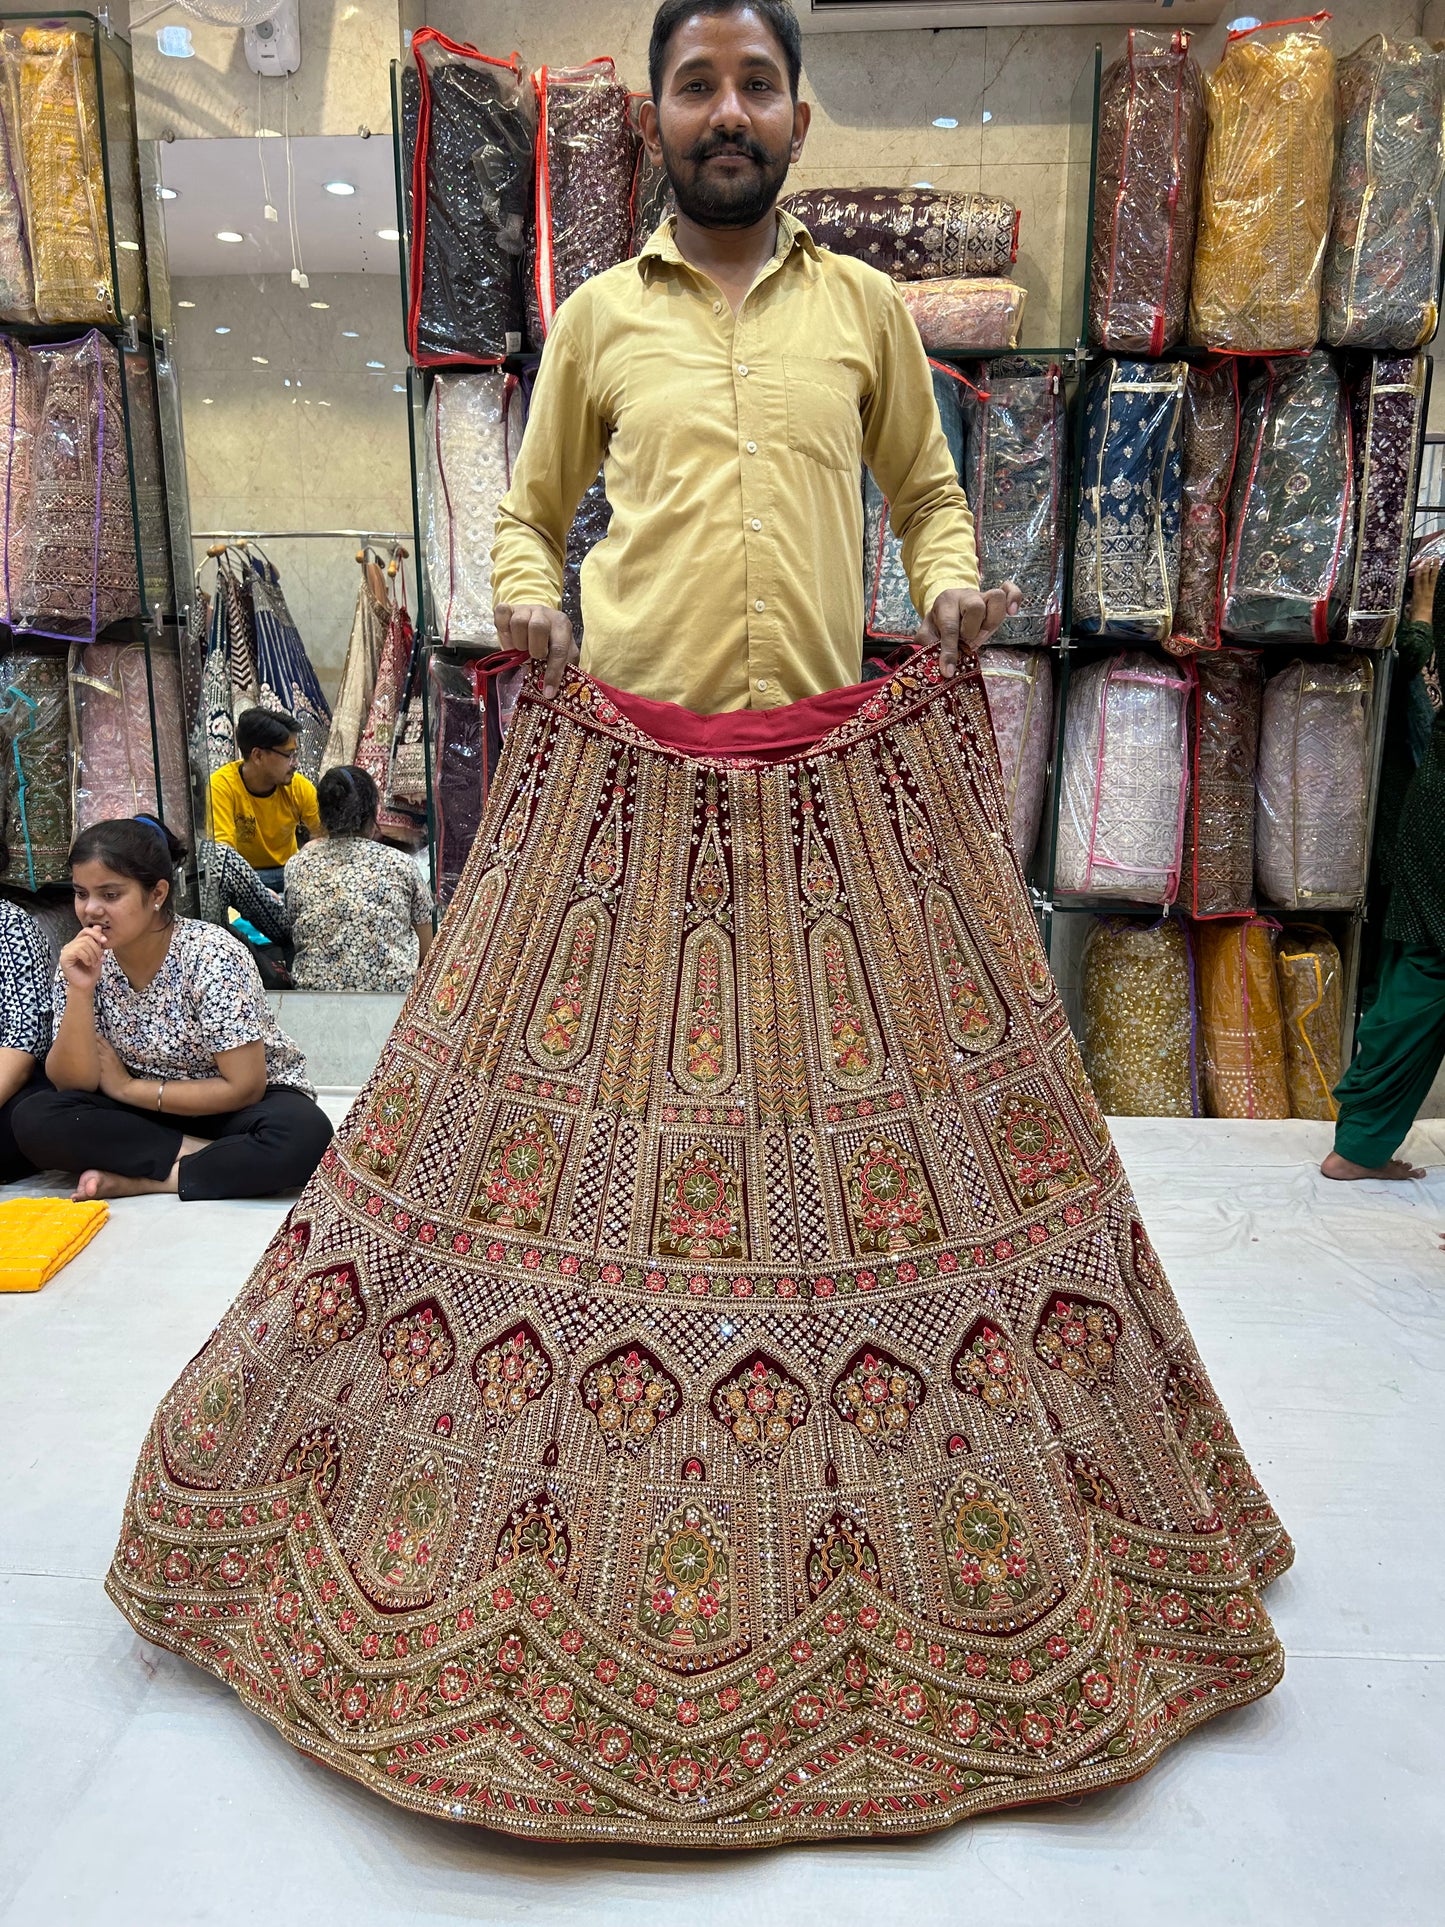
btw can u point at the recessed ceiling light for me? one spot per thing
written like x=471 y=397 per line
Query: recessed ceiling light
x=945 y=120
x=388 y=234
x=987 y=116
x=168 y=193
x=185 y=304
x=376 y=364
x=223 y=331
x=923 y=183
x=206 y=401
x=350 y=334
x=321 y=304
x=229 y=236
x=340 y=187
x=261 y=361
x=398 y=388
x=175 y=43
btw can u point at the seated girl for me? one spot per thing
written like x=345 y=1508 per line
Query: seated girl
x=24 y=1026
x=359 y=911
x=170 y=1071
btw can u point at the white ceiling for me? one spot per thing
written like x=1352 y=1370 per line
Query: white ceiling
x=219 y=184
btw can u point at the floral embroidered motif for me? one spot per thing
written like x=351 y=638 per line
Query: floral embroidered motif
x=1077 y=1337
x=820 y=885
x=1095 y=1488
x=207 y=1422
x=889 y=1204
x=686 y=1597
x=390 y=1117
x=990 y=1559
x=761 y=1406
x=450 y=990
x=700 y=1209
x=416 y=1348
x=914 y=834
x=974 y=1016
x=847 y=1031
x=1144 y=1260
x=1039 y=1157
x=705 y=1046
x=284 y=1253
x=561 y=1028
x=602 y=866
x=877 y=1396
x=839 y=1546
x=316 y=1456
x=404 y=1551
x=327 y=1310
x=710 y=889
x=510 y=1374
x=630 y=1395
x=986 y=1367
x=536 y=1529
x=519 y=1174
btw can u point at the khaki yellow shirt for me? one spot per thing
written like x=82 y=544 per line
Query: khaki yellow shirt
x=262 y=828
x=732 y=574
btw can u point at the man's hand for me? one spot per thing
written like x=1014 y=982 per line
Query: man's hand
x=1422 y=596
x=965 y=619
x=545 y=634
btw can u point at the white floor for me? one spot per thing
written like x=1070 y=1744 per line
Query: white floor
x=135 y=1789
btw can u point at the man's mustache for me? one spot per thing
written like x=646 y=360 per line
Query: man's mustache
x=707 y=150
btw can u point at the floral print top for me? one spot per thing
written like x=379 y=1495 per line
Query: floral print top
x=205 y=998
x=354 y=904
x=24 y=982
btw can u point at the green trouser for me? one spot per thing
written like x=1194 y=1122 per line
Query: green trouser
x=1401 y=1043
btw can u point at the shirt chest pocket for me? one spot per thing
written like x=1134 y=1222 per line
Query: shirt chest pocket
x=822 y=406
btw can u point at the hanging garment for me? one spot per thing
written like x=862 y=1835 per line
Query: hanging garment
x=228 y=677
x=473 y=427
x=966 y=315
x=1126 y=548
x=912 y=234
x=1387 y=404
x=1265 y=200
x=17 y=281
x=128 y=723
x=468 y=131
x=586 y=160
x=888 y=611
x=752 y=1311
x=1241 y=1029
x=1313 y=800
x=22 y=394
x=1223 y=743
x=1292 y=513
x=1019 y=685
x=35 y=744
x=1015 y=437
x=1124 y=780
x=1382 y=266
x=1210 y=451
x=373 y=751
x=358 y=672
x=1140 y=1034
x=1146 y=195
x=284 y=675
x=1311 y=979
x=466 y=746
x=60 y=138
x=406 y=776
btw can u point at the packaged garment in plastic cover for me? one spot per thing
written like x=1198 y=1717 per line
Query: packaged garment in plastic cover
x=468 y=128
x=1210 y=450
x=1265 y=198
x=1291 y=515
x=1019 y=687
x=1387 y=403
x=888 y=611
x=1140 y=1031
x=1312 y=811
x=396 y=823
x=652 y=199
x=586 y=160
x=1015 y=450
x=358 y=674
x=117 y=753
x=1124 y=779
x=1126 y=549
x=1382 y=266
x=1223 y=743
x=17 y=283
x=1240 y=1027
x=911 y=233
x=65 y=185
x=466 y=743
x=473 y=429
x=35 y=744
x=1146 y=195
x=1311 y=982
x=589 y=525
x=966 y=314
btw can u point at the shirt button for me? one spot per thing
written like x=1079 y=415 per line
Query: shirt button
x=752 y=448
x=762 y=685
x=742 y=367
x=760 y=605
x=717 y=307
x=756 y=523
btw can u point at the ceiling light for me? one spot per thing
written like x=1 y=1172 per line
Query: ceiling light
x=398 y=388
x=376 y=364
x=261 y=361
x=987 y=116
x=350 y=334
x=175 y=43
x=340 y=187
x=923 y=183
x=945 y=120
x=206 y=401
x=321 y=304
x=185 y=304
x=229 y=236
x=388 y=234
x=168 y=193
x=223 y=331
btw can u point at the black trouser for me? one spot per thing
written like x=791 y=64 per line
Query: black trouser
x=271 y=1146
x=14 y=1165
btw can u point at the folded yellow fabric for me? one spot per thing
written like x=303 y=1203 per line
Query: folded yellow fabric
x=40 y=1236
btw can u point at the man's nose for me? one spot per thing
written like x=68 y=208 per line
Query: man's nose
x=730 y=111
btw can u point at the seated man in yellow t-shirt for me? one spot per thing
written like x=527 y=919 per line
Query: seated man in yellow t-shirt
x=258 y=802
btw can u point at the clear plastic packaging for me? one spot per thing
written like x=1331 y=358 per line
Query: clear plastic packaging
x=1311 y=981
x=469 y=129
x=1146 y=194
x=1387 y=405
x=358 y=672
x=1291 y=514
x=1126 y=549
x=652 y=199
x=586 y=161
x=1240 y=1025
x=473 y=425
x=1015 y=451
x=1309 y=841
x=1124 y=780
x=17 y=281
x=589 y=525
x=888 y=611
x=1223 y=744
x=1382 y=265
x=284 y=673
x=1140 y=1034
x=374 y=751
x=1265 y=199
x=1210 y=450
x=457 y=761
x=1019 y=687
x=406 y=775
x=65 y=175
x=966 y=315
x=127 y=718
x=911 y=233
x=36 y=787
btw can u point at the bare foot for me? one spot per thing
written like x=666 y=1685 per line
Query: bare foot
x=1335 y=1166
x=106 y=1184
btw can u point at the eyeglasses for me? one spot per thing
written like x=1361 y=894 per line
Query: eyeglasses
x=287 y=755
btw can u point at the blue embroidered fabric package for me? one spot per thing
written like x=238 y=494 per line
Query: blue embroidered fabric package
x=1126 y=545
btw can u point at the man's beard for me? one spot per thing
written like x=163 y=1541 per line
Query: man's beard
x=719 y=201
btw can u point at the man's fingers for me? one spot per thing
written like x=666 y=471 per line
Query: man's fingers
x=539 y=634
x=560 y=652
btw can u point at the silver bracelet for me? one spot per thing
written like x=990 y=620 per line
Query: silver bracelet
x=160 y=1092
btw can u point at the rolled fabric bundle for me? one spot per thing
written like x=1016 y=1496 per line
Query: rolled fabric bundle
x=1387 y=404
x=1146 y=195
x=128 y=717
x=1210 y=450
x=1311 y=978
x=1019 y=687
x=1265 y=200
x=473 y=426
x=1240 y=1024
x=468 y=132
x=1015 y=453
x=1382 y=265
x=1289 y=565
x=1223 y=742
x=60 y=139
x=1312 y=800
x=912 y=233
x=1140 y=1039
x=1125 y=776
x=586 y=161
x=1126 y=545
x=35 y=781
x=17 y=279
x=888 y=611
x=966 y=315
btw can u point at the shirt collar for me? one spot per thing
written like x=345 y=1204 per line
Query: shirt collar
x=662 y=245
